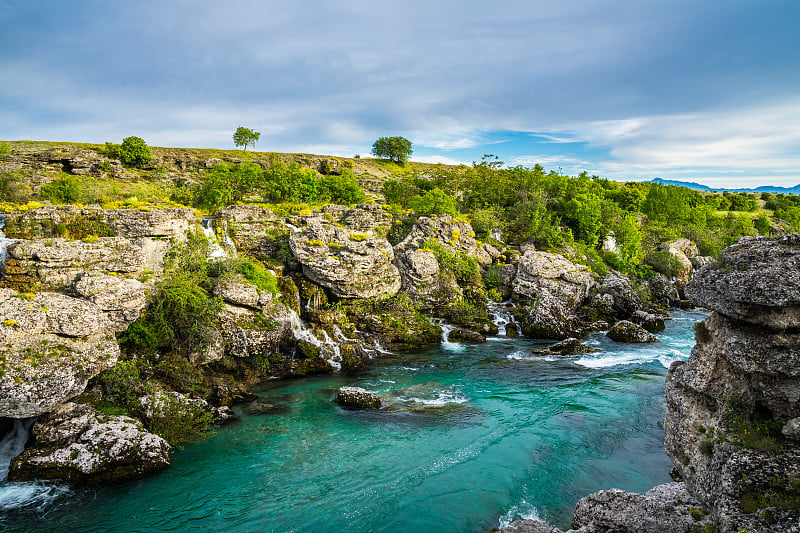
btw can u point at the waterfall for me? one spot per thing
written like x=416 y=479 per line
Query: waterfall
x=329 y=349
x=292 y=227
x=446 y=344
x=222 y=247
x=501 y=317
x=4 y=242
x=14 y=443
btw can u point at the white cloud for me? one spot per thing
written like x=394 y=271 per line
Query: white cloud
x=439 y=159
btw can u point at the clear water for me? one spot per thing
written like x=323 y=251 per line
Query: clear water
x=472 y=437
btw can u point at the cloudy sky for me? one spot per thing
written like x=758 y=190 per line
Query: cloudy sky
x=700 y=90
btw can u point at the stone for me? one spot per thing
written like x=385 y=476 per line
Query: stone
x=649 y=321
x=551 y=288
x=626 y=331
x=351 y=264
x=571 y=346
x=465 y=335
x=122 y=299
x=356 y=397
x=756 y=280
x=52 y=345
x=423 y=281
x=665 y=508
x=453 y=235
x=76 y=443
x=529 y=526
x=624 y=298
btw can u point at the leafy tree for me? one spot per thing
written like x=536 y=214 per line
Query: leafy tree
x=135 y=152
x=245 y=137
x=434 y=202
x=396 y=149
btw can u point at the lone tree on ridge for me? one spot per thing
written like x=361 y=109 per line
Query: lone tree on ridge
x=245 y=137
x=396 y=149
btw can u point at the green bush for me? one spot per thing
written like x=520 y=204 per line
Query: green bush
x=65 y=190
x=134 y=152
x=255 y=273
x=123 y=383
x=179 y=422
x=464 y=268
x=4 y=150
x=666 y=263
x=12 y=189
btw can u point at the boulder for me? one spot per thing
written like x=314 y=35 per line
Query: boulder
x=550 y=288
x=665 y=508
x=649 y=321
x=624 y=298
x=626 y=331
x=454 y=235
x=756 y=280
x=465 y=335
x=683 y=250
x=351 y=264
x=356 y=397
x=571 y=346
x=52 y=346
x=423 y=281
x=76 y=443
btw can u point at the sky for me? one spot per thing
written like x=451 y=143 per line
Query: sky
x=701 y=90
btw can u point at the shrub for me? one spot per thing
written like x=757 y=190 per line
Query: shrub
x=65 y=190
x=464 y=268
x=179 y=422
x=12 y=189
x=255 y=273
x=666 y=263
x=135 y=152
x=123 y=383
x=4 y=150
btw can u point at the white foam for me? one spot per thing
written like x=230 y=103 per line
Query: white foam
x=36 y=495
x=523 y=510
x=441 y=397
x=446 y=344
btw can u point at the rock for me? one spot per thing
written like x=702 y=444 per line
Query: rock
x=732 y=408
x=52 y=345
x=465 y=335
x=76 y=443
x=453 y=235
x=665 y=508
x=662 y=289
x=650 y=322
x=263 y=406
x=423 y=281
x=253 y=229
x=571 y=346
x=358 y=398
x=121 y=299
x=511 y=330
x=58 y=263
x=238 y=291
x=626 y=331
x=557 y=287
x=683 y=250
x=529 y=526
x=247 y=333
x=351 y=264
x=624 y=298
x=756 y=280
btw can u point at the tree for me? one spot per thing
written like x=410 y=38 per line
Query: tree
x=245 y=137
x=135 y=152
x=396 y=149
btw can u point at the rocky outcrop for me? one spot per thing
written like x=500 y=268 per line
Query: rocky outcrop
x=423 y=281
x=683 y=250
x=454 y=235
x=253 y=229
x=557 y=287
x=121 y=299
x=729 y=404
x=76 y=443
x=625 y=300
x=356 y=397
x=52 y=345
x=349 y=258
x=626 y=331
x=58 y=263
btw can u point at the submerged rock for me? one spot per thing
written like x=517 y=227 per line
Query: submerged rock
x=649 y=321
x=626 y=331
x=571 y=346
x=358 y=398
x=76 y=443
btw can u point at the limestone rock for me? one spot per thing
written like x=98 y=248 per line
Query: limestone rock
x=624 y=298
x=246 y=332
x=59 y=262
x=349 y=264
x=556 y=287
x=423 y=281
x=455 y=236
x=756 y=280
x=358 y=398
x=465 y=335
x=76 y=443
x=529 y=526
x=649 y=321
x=683 y=250
x=571 y=346
x=52 y=345
x=663 y=508
x=626 y=331
x=122 y=299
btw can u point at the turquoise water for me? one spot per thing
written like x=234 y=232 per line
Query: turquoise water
x=472 y=437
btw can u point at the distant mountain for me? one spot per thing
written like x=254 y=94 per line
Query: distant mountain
x=700 y=187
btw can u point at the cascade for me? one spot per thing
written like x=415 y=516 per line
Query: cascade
x=4 y=242
x=218 y=248
x=14 y=443
x=328 y=347
x=501 y=316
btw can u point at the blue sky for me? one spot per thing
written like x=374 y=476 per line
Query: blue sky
x=707 y=91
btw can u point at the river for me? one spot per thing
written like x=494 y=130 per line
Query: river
x=473 y=436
